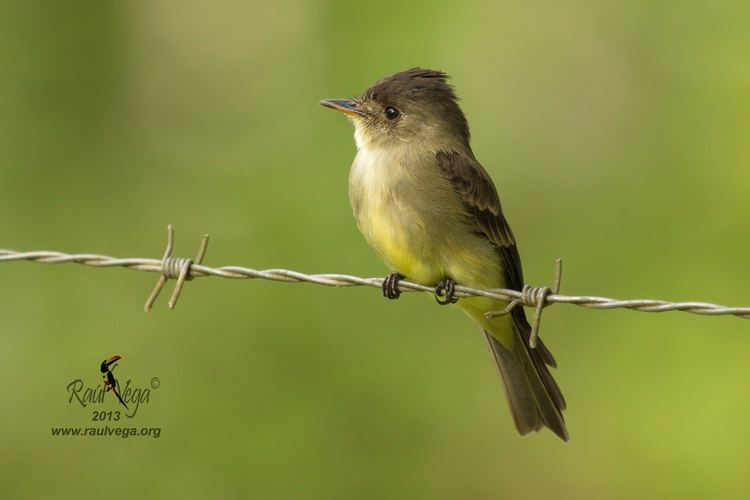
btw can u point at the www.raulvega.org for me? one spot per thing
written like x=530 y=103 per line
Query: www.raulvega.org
x=123 y=432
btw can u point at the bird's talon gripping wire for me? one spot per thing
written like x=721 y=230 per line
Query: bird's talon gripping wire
x=444 y=292
x=390 y=286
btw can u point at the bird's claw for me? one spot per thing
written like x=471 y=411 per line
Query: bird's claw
x=444 y=292
x=390 y=286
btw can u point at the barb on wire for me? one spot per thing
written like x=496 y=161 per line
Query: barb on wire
x=175 y=267
x=184 y=269
x=536 y=297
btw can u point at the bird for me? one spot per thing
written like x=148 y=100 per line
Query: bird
x=109 y=378
x=432 y=214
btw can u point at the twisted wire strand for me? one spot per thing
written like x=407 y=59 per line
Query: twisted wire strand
x=531 y=299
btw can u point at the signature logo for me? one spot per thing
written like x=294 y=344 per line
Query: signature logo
x=129 y=394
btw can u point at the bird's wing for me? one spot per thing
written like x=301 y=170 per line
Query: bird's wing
x=475 y=188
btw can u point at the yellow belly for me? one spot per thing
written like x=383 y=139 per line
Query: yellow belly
x=396 y=240
x=426 y=254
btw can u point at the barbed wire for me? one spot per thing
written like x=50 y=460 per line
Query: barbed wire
x=185 y=269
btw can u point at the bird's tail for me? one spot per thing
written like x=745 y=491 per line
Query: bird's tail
x=117 y=393
x=534 y=397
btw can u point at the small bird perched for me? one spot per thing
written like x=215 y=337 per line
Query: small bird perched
x=432 y=214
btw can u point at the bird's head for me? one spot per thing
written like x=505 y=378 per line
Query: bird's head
x=416 y=107
x=107 y=362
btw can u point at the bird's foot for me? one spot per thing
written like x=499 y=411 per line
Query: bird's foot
x=444 y=292
x=390 y=286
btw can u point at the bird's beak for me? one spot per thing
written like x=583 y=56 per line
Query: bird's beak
x=112 y=360
x=348 y=106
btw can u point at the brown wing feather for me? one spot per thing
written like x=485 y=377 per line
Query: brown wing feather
x=478 y=192
x=479 y=195
x=472 y=182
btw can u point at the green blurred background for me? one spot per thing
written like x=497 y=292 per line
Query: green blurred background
x=617 y=133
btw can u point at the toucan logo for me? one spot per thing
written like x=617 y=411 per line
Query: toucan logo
x=110 y=382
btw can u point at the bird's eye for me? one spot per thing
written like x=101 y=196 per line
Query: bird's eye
x=391 y=113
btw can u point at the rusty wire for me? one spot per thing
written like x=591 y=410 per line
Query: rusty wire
x=185 y=269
